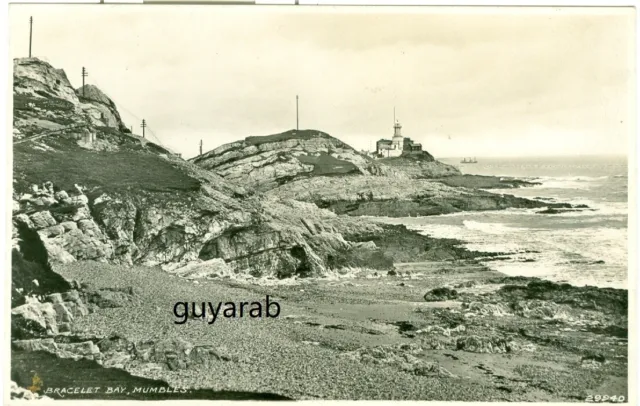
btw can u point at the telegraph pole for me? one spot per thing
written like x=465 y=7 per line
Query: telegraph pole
x=200 y=147
x=143 y=125
x=297 y=119
x=30 y=34
x=84 y=74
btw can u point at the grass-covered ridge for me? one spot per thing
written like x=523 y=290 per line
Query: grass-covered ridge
x=324 y=164
x=65 y=164
x=293 y=134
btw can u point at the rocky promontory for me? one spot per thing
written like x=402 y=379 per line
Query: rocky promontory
x=265 y=162
x=312 y=166
x=420 y=165
x=386 y=196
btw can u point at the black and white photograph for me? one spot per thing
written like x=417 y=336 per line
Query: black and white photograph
x=321 y=203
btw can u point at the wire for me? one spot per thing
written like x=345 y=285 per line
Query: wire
x=148 y=129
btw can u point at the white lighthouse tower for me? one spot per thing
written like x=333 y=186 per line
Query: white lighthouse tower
x=397 y=141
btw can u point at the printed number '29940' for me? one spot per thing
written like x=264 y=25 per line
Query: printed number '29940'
x=605 y=398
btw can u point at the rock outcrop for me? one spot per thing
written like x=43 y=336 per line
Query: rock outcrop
x=267 y=161
x=420 y=165
x=386 y=196
x=99 y=108
x=44 y=101
x=205 y=233
x=49 y=318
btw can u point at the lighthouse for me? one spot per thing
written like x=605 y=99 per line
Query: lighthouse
x=397 y=141
x=398 y=144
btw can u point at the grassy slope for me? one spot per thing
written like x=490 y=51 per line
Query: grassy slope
x=131 y=168
x=292 y=134
x=324 y=164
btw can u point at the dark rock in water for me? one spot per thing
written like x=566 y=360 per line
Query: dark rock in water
x=569 y=208
x=392 y=273
x=65 y=373
x=550 y=211
x=585 y=262
x=486 y=182
x=440 y=294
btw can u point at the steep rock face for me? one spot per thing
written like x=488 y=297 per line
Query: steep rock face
x=45 y=101
x=271 y=238
x=99 y=108
x=38 y=78
x=265 y=162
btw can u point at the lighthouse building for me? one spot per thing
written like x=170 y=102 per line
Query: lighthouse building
x=397 y=145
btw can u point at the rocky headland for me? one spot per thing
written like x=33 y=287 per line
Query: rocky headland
x=110 y=229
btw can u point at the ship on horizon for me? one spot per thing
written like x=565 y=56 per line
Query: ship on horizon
x=469 y=161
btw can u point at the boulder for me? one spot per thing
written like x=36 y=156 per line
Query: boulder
x=441 y=294
x=33 y=320
x=492 y=345
x=215 y=267
x=486 y=309
x=52 y=231
x=75 y=351
x=42 y=219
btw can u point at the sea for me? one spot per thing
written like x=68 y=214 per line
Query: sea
x=587 y=247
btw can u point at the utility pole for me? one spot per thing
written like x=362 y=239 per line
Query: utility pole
x=200 y=147
x=84 y=75
x=297 y=119
x=30 y=34
x=143 y=125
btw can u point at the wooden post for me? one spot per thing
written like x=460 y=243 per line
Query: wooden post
x=30 y=34
x=143 y=125
x=200 y=147
x=84 y=74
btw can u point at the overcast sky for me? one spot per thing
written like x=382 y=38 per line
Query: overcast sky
x=464 y=82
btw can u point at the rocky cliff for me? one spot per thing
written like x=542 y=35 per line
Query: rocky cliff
x=99 y=108
x=44 y=101
x=116 y=198
x=264 y=162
